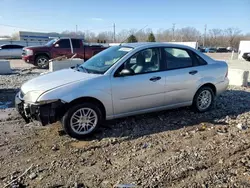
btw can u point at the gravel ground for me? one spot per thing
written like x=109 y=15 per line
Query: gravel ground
x=175 y=148
x=10 y=84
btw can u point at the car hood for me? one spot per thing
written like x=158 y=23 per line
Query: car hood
x=55 y=79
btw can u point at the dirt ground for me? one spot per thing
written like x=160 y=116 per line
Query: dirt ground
x=174 y=148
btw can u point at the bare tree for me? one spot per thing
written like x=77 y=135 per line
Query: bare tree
x=15 y=36
x=215 y=37
x=187 y=34
x=142 y=35
x=122 y=35
x=106 y=36
x=232 y=34
x=163 y=35
x=79 y=34
x=90 y=36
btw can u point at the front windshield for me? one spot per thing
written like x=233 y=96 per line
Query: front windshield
x=101 y=62
x=51 y=42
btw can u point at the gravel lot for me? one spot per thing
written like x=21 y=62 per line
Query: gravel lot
x=175 y=148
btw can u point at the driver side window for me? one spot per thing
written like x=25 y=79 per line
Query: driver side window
x=145 y=61
x=64 y=43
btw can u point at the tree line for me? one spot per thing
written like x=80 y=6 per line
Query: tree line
x=229 y=37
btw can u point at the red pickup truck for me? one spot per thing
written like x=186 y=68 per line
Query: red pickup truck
x=40 y=55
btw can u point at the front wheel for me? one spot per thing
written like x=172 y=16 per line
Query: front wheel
x=203 y=99
x=82 y=120
x=42 y=62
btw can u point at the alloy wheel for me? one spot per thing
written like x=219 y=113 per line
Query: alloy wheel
x=204 y=100
x=83 y=121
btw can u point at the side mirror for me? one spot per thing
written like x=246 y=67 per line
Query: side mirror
x=126 y=72
x=56 y=45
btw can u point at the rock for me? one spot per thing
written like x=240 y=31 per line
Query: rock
x=222 y=130
x=55 y=147
x=221 y=161
x=32 y=176
x=78 y=185
x=145 y=145
x=241 y=126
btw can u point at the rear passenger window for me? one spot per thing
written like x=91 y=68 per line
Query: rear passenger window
x=75 y=43
x=176 y=58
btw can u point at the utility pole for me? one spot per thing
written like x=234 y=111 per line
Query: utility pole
x=205 y=33
x=114 y=32
x=173 y=29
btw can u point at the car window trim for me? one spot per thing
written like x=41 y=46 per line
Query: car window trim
x=160 y=60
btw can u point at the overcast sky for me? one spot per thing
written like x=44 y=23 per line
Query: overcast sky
x=99 y=15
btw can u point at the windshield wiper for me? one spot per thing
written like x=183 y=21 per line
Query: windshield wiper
x=84 y=69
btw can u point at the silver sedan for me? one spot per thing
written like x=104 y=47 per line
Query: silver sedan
x=121 y=81
x=11 y=51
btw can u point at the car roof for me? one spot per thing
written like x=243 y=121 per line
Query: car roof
x=154 y=44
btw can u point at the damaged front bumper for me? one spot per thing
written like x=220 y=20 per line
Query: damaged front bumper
x=45 y=113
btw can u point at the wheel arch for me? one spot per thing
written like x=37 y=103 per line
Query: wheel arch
x=212 y=86
x=91 y=100
x=42 y=54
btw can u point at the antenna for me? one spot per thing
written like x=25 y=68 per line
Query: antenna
x=131 y=33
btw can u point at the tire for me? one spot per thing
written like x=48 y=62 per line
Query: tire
x=203 y=106
x=79 y=128
x=42 y=61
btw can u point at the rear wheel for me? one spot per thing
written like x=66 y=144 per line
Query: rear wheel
x=82 y=120
x=204 y=99
x=42 y=61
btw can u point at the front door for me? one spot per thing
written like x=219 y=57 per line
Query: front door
x=62 y=48
x=144 y=88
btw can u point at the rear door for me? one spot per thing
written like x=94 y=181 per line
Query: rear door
x=62 y=47
x=182 y=75
x=16 y=51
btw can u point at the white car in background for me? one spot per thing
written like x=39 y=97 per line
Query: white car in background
x=11 y=51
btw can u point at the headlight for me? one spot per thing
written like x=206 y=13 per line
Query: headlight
x=32 y=96
x=46 y=101
x=29 y=52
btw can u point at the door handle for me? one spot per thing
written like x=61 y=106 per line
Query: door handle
x=193 y=72
x=154 y=79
